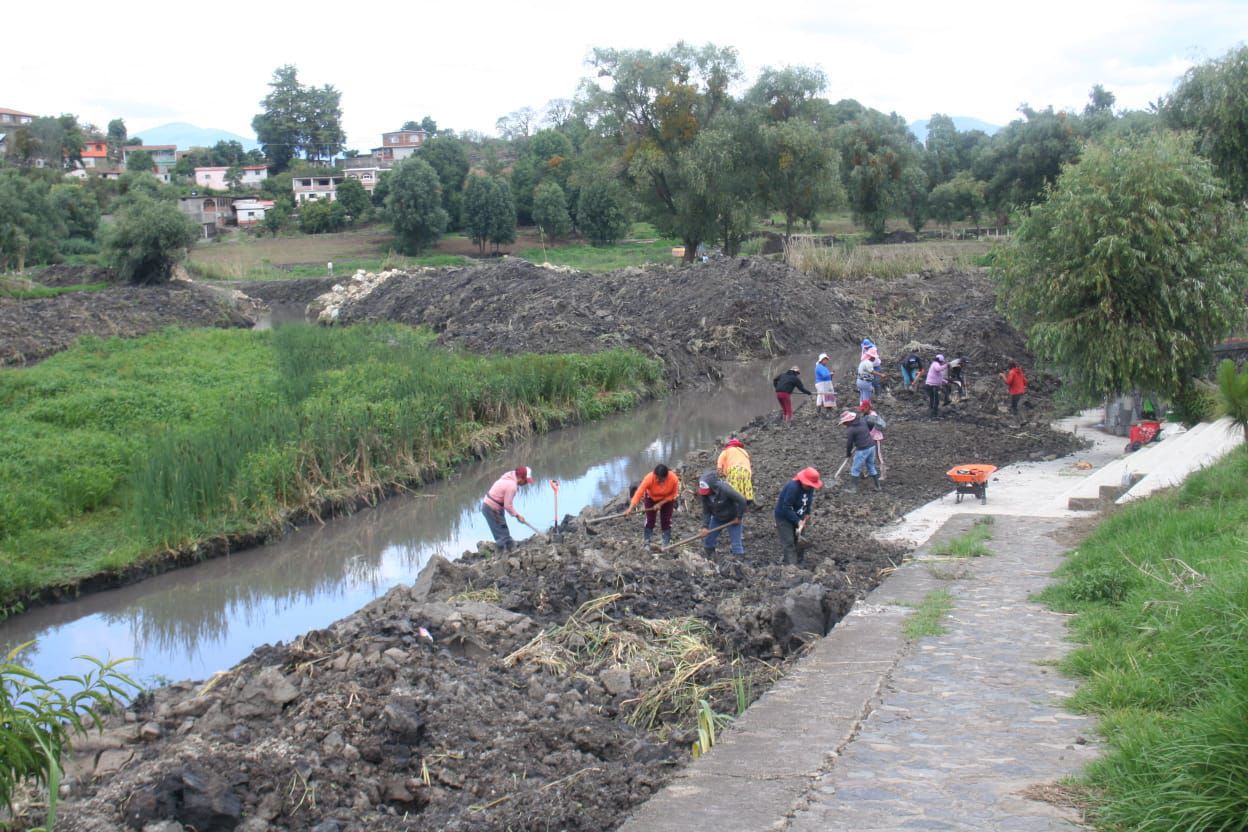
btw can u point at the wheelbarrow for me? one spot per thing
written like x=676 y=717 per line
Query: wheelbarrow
x=971 y=479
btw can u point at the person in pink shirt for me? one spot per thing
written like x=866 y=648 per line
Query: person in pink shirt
x=498 y=503
x=936 y=376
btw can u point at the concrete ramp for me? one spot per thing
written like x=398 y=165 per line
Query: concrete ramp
x=1200 y=447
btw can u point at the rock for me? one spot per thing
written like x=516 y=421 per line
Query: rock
x=800 y=616
x=111 y=762
x=395 y=790
x=165 y=826
x=403 y=718
x=265 y=694
x=150 y=731
x=616 y=680
x=326 y=826
x=333 y=743
x=438 y=576
x=208 y=803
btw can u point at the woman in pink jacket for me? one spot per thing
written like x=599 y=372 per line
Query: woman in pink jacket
x=498 y=503
x=936 y=373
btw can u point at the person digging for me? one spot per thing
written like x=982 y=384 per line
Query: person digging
x=722 y=507
x=859 y=445
x=659 y=489
x=784 y=385
x=793 y=508
x=498 y=503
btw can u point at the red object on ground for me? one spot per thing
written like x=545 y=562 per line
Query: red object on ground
x=1144 y=432
x=974 y=472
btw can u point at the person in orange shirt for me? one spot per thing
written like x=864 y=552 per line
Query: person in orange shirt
x=659 y=489
x=734 y=466
x=1015 y=385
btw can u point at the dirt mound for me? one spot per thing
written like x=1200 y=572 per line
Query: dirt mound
x=36 y=328
x=900 y=236
x=283 y=292
x=694 y=317
x=548 y=688
x=64 y=274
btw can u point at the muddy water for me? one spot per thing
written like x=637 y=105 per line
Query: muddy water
x=192 y=622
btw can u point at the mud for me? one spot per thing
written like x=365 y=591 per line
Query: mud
x=410 y=715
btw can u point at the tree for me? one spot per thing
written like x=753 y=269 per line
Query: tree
x=429 y=125
x=448 y=156
x=1211 y=100
x=353 y=198
x=30 y=227
x=789 y=93
x=140 y=160
x=277 y=217
x=799 y=172
x=653 y=108
x=958 y=199
x=148 y=239
x=57 y=141
x=414 y=204
x=1024 y=157
x=489 y=212
x=601 y=213
x=876 y=150
x=233 y=177
x=550 y=209
x=1131 y=269
x=321 y=216
x=299 y=119
x=914 y=196
x=502 y=214
x=116 y=139
x=517 y=124
x=78 y=207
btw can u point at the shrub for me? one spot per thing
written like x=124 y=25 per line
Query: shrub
x=1102 y=584
x=601 y=213
x=148 y=239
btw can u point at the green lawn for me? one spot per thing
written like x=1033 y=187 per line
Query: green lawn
x=1160 y=590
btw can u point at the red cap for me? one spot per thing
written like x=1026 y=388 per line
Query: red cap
x=734 y=442
x=524 y=475
x=865 y=405
x=809 y=477
x=703 y=488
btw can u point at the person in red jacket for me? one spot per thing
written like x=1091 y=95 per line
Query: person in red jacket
x=1015 y=384
x=659 y=488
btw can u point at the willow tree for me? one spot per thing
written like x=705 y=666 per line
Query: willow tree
x=1131 y=269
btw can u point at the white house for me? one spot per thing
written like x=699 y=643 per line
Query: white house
x=319 y=186
x=214 y=176
x=250 y=211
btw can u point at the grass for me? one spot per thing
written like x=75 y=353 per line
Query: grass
x=927 y=615
x=25 y=290
x=841 y=262
x=1160 y=593
x=970 y=544
x=586 y=257
x=118 y=451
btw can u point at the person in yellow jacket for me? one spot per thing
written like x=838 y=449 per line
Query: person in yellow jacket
x=659 y=489
x=734 y=466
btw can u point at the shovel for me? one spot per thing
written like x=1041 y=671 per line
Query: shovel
x=692 y=538
x=536 y=531
x=589 y=524
x=837 y=475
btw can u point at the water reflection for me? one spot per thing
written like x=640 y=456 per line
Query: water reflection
x=192 y=622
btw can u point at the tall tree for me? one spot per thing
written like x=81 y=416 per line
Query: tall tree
x=1025 y=156
x=353 y=198
x=489 y=212
x=140 y=160
x=299 y=119
x=876 y=150
x=799 y=171
x=653 y=108
x=116 y=139
x=1131 y=270
x=148 y=239
x=602 y=211
x=448 y=156
x=1211 y=100
x=550 y=209
x=790 y=92
x=30 y=227
x=78 y=207
x=414 y=204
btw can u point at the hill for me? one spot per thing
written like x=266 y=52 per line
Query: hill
x=188 y=135
x=963 y=123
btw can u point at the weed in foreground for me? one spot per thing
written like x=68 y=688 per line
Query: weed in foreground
x=970 y=544
x=927 y=616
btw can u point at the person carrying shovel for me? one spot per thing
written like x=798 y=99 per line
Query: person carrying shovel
x=796 y=501
x=659 y=489
x=735 y=466
x=722 y=506
x=498 y=503
x=859 y=445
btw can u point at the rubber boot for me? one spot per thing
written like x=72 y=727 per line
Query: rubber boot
x=647 y=535
x=878 y=487
x=852 y=485
x=708 y=553
x=667 y=537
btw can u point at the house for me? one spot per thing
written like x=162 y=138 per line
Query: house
x=13 y=119
x=99 y=172
x=367 y=177
x=320 y=186
x=250 y=211
x=164 y=157
x=399 y=145
x=210 y=212
x=214 y=176
x=95 y=153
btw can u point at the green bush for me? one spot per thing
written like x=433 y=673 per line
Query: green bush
x=1196 y=403
x=1103 y=584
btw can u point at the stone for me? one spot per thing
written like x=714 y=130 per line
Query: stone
x=208 y=803
x=150 y=731
x=326 y=826
x=403 y=718
x=111 y=762
x=265 y=694
x=801 y=615
x=395 y=790
x=196 y=706
x=164 y=826
x=616 y=680
x=333 y=743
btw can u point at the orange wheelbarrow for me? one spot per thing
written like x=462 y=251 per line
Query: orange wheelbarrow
x=971 y=479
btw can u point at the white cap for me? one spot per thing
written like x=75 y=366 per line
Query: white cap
x=822 y=356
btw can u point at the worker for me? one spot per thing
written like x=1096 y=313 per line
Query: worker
x=876 y=425
x=1015 y=385
x=793 y=508
x=735 y=466
x=859 y=445
x=867 y=374
x=935 y=382
x=785 y=384
x=825 y=391
x=659 y=489
x=499 y=501
x=721 y=505
x=955 y=379
x=910 y=369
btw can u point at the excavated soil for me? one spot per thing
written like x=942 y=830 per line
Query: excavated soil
x=519 y=691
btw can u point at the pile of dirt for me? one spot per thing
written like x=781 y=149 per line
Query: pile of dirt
x=287 y=292
x=694 y=317
x=526 y=690
x=36 y=328
x=64 y=274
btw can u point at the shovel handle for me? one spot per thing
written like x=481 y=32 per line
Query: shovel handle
x=839 y=470
x=619 y=514
x=692 y=538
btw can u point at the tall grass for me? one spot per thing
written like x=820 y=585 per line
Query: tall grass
x=1161 y=592
x=115 y=450
x=840 y=262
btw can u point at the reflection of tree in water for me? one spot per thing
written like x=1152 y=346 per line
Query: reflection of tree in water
x=372 y=550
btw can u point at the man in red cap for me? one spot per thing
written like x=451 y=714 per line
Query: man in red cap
x=797 y=500
x=722 y=507
x=498 y=504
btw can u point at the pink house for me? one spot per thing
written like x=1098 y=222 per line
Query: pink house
x=214 y=177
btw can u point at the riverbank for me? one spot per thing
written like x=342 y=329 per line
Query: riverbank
x=557 y=686
x=126 y=457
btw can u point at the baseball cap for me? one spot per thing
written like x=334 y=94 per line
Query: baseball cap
x=823 y=356
x=703 y=487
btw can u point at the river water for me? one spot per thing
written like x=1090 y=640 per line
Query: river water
x=191 y=622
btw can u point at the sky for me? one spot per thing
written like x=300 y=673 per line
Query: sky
x=468 y=65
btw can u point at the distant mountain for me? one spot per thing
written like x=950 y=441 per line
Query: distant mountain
x=963 y=123
x=188 y=135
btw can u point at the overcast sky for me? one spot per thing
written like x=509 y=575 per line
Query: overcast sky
x=466 y=64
